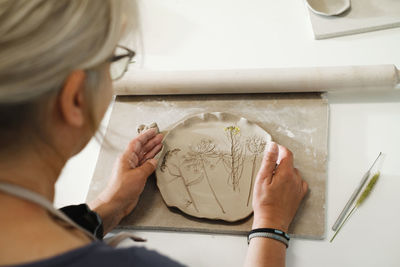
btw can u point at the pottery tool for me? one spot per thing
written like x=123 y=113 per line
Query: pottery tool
x=361 y=199
x=273 y=80
x=353 y=197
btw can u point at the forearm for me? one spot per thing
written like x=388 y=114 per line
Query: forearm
x=128 y=179
x=278 y=191
x=265 y=252
x=109 y=214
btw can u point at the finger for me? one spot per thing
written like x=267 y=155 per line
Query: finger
x=147 y=168
x=285 y=159
x=139 y=141
x=133 y=161
x=268 y=163
x=128 y=161
x=152 y=153
x=155 y=141
x=131 y=157
x=297 y=176
x=305 y=186
x=299 y=180
x=123 y=162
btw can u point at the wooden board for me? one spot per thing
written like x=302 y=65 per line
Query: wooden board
x=298 y=121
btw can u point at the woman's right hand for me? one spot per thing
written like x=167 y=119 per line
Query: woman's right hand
x=278 y=190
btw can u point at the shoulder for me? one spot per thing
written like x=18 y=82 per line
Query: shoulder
x=99 y=254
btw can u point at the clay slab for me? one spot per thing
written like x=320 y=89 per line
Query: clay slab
x=209 y=163
x=298 y=121
x=328 y=7
x=363 y=16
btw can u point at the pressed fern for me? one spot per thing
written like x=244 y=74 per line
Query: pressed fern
x=361 y=199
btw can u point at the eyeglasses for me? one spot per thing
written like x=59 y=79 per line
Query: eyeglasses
x=120 y=61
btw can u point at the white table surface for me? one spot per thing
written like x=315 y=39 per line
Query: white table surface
x=226 y=34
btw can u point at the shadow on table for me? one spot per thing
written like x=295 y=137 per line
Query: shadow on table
x=364 y=97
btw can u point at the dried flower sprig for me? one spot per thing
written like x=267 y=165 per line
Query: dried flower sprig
x=232 y=129
x=361 y=199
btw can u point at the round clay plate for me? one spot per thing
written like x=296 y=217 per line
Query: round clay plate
x=209 y=163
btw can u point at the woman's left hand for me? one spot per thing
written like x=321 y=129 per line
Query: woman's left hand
x=129 y=177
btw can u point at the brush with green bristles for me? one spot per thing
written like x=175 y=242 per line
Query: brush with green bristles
x=360 y=200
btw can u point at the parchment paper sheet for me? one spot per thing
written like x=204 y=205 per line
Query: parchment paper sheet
x=298 y=121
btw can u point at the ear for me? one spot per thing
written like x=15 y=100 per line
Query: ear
x=71 y=99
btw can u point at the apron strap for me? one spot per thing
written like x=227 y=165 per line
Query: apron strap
x=38 y=199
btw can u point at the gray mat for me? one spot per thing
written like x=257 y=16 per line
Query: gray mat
x=297 y=121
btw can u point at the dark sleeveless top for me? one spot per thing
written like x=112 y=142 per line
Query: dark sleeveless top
x=98 y=254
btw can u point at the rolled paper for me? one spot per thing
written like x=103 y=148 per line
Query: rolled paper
x=271 y=80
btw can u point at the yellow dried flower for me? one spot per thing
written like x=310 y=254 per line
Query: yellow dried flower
x=232 y=129
x=360 y=200
x=368 y=189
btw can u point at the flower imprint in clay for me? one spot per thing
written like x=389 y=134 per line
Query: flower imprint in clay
x=208 y=164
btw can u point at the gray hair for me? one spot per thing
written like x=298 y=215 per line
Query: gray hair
x=42 y=41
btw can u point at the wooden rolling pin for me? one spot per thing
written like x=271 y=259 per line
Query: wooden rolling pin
x=272 y=80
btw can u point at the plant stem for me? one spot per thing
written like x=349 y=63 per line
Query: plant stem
x=252 y=179
x=212 y=190
x=184 y=184
x=191 y=197
x=232 y=163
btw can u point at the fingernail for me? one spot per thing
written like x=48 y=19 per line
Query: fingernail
x=272 y=147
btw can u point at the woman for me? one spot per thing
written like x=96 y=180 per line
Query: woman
x=57 y=61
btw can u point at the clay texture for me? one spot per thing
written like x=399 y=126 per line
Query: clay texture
x=209 y=163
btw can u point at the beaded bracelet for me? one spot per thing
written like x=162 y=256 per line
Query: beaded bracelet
x=269 y=233
x=271 y=230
